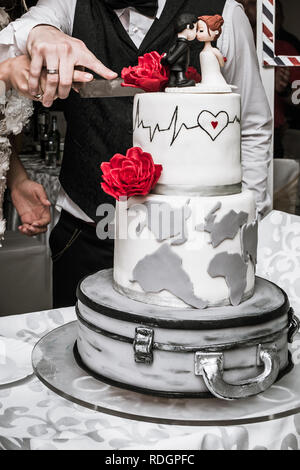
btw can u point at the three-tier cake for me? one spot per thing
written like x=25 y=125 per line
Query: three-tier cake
x=182 y=314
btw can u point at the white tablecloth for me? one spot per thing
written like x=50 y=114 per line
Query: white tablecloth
x=33 y=417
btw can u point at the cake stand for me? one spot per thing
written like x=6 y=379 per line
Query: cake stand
x=55 y=365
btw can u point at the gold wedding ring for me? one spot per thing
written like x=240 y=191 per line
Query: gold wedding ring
x=39 y=96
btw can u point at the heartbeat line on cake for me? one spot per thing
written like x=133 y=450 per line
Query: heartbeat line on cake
x=212 y=124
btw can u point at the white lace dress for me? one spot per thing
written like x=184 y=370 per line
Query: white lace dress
x=15 y=111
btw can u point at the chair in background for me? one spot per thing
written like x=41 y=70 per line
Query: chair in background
x=25 y=275
x=291 y=143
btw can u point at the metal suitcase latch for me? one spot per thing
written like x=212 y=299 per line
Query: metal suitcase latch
x=143 y=345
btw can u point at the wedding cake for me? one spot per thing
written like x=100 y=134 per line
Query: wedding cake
x=182 y=313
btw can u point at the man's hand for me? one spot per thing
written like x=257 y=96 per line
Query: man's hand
x=48 y=47
x=33 y=207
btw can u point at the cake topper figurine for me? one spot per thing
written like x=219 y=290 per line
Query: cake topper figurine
x=209 y=30
x=178 y=57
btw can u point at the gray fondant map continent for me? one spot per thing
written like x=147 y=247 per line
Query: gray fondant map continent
x=226 y=229
x=163 y=271
x=233 y=268
x=249 y=237
x=165 y=222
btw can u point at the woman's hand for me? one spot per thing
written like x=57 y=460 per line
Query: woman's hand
x=5 y=73
x=19 y=75
x=15 y=73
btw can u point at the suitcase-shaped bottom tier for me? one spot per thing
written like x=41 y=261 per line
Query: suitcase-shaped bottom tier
x=227 y=352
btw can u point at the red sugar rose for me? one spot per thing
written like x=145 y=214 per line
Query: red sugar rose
x=132 y=175
x=149 y=74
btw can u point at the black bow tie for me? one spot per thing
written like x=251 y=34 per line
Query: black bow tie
x=145 y=7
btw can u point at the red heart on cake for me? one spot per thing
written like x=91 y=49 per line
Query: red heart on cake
x=213 y=124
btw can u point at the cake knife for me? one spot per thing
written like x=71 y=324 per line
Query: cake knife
x=102 y=88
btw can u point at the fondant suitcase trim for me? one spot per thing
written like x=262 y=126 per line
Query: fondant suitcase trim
x=169 y=323
x=149 y=333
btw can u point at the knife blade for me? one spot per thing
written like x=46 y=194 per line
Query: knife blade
x=102 y=88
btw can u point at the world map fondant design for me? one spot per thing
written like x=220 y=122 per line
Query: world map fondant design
x=226 y=229
x=233 y=268
x=249 y=237
x=165 y=221
x=211 y=124
x=163 y=270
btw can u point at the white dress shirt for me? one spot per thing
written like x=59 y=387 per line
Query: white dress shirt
x=236 y=44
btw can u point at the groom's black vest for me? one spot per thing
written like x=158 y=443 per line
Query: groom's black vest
x=99 y=128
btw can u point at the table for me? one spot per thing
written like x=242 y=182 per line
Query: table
x=33 y=417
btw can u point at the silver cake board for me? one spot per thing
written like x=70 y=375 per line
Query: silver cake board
x=55 y=365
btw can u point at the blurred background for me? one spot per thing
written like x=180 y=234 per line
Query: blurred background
x=286 y=113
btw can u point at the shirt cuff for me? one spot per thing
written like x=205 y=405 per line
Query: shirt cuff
x=22 y=30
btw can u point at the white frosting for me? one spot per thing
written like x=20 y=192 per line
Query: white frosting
x=196 y=253
x=197 y=156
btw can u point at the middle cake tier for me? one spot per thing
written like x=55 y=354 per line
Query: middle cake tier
x=186 y=251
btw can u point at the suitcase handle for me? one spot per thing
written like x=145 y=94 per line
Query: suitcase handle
x=210 y=367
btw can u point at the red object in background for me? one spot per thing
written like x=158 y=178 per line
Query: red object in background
x=286 y=49
x=132 y=175
x=149 y=74
x=192 y=74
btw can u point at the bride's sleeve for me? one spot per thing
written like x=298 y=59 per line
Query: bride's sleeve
x=18 y=110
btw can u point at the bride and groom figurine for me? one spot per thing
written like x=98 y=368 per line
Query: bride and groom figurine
x=205 y=29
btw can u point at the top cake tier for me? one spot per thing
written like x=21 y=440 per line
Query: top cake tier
x=197 y=139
